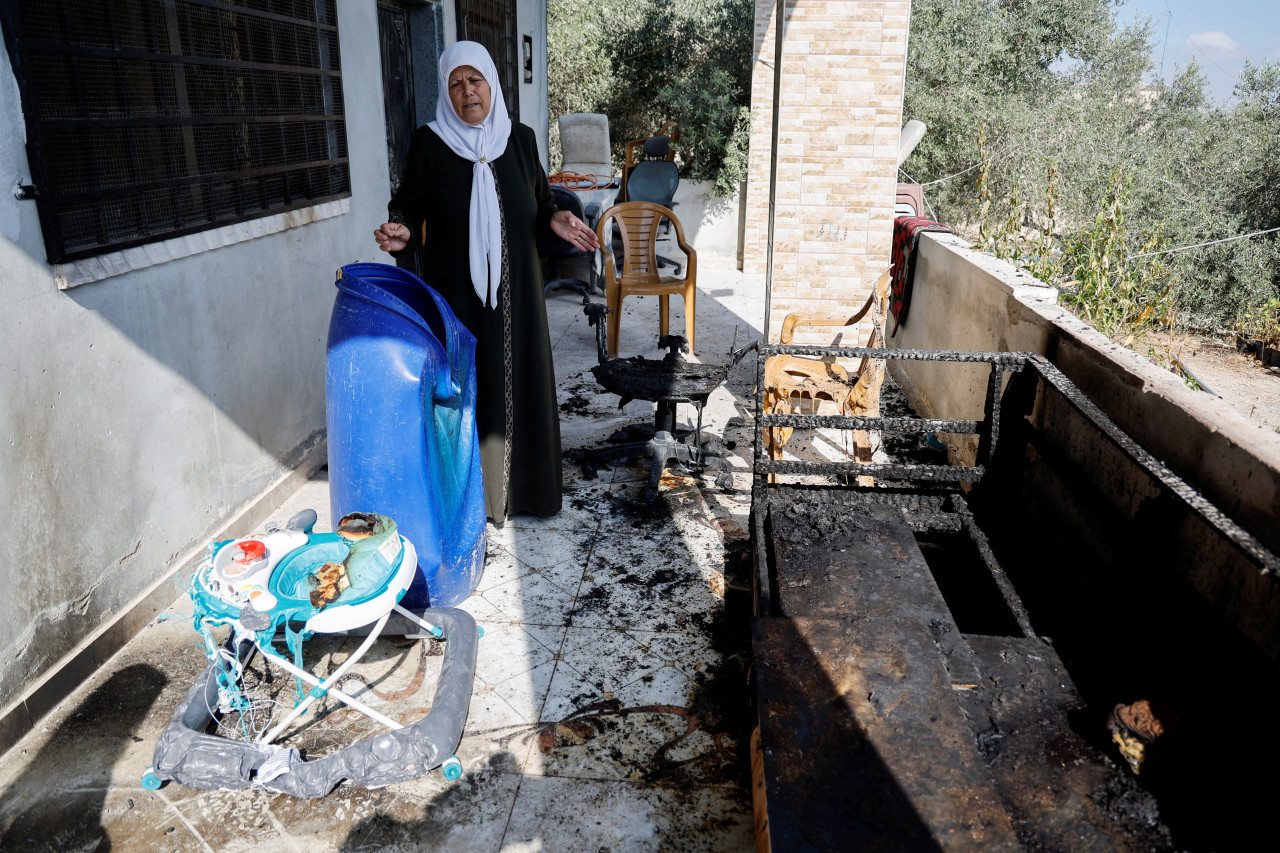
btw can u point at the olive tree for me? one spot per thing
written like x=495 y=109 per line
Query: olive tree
x=646 y=62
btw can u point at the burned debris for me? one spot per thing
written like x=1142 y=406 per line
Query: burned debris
x=977 y=655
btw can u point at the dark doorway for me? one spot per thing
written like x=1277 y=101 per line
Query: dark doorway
x=411 y=40
x=493 y=24
x=397 y=85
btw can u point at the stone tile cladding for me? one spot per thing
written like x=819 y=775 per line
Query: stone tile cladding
x=841 y=105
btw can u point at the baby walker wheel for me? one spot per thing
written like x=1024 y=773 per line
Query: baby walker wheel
x=452 y=768
x=149 y=780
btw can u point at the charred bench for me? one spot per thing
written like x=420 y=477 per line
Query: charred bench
x=905 y=700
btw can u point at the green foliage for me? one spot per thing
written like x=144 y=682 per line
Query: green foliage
x=646 y=62
x=1061 y=81
x=579 y=72
x=1041 y=263
x=1010 y=239
x=1261 y=323
x=1113 y=292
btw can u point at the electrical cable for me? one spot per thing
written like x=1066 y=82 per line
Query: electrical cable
x=990 y=157
x=579 y=181
x=1204 y=55
x=1202 y=245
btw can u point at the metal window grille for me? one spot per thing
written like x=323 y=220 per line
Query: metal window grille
x=493 y=24
x=151 y=119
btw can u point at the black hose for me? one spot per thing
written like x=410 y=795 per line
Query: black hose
x=1186 y=372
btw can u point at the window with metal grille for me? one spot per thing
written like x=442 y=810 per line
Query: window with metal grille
x=493 y=24
x=151 y=119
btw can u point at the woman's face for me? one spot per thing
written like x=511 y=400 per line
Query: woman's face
x=469 y=92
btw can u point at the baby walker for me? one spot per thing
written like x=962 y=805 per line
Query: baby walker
x=290 y=580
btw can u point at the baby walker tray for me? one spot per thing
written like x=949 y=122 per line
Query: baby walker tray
x=292 y=582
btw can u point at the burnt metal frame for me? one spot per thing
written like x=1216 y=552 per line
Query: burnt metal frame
x=988 y=431
x=1001 y=363
x=668 y=442
x=323 y=178
x=1268 y=563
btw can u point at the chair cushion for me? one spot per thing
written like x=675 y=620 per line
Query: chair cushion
x=584 y=138
x=657 y=146
x=655 y=181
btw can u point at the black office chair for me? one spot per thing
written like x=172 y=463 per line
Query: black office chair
x=655 y=180
x=638 y=150
x=556 y=250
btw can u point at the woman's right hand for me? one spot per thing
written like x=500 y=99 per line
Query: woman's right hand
x=392 y=236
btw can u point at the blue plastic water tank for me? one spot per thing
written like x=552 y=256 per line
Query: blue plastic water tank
x=401 y=398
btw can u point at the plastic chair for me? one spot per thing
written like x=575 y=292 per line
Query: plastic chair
x=655 y=180
x=584 y=143
x=638 y=223
x=792 y=382
x=556 y=250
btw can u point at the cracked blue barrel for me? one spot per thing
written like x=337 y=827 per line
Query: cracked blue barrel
x=400 y=405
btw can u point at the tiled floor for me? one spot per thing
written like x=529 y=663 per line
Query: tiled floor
x=609 y=710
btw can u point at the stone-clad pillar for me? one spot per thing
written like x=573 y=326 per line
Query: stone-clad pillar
x=840 y=114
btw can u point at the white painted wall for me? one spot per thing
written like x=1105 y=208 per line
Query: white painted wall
x=139 y=412
x=711 y=223
x=531 y=17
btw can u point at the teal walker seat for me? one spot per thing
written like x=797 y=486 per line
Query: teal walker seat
x=264 y=585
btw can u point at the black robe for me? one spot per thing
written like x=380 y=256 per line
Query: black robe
x=517 y=414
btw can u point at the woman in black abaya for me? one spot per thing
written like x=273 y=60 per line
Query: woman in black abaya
x=474 y=192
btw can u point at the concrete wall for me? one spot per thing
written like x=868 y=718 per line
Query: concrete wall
x=839 y=116
x=711 y=223
x=965 y=300
x=142 y=411
x=968 y=300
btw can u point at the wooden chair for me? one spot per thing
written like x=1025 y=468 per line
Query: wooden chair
x=638 y=223
x=793 y=383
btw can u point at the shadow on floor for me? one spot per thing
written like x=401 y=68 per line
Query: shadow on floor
x=71 y=813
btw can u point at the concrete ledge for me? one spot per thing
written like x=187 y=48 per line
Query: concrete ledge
x=80 y=663
x=99 y=267
x=967 y=300
x=864 y=745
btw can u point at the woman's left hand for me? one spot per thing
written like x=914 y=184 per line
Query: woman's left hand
x=572 y=230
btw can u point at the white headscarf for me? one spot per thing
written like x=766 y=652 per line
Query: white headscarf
x=480 y=144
